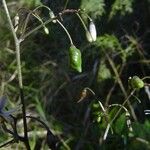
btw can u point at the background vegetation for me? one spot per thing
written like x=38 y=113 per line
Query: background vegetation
x=52 y=89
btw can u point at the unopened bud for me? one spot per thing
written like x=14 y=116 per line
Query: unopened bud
x=89 y=37
x=52 y=16
x=92 y=31
x=46 y=30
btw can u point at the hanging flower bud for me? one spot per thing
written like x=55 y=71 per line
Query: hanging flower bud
x=89 y=37
x=75 y=58
x=51 y=14
x=16 y=19
x=46 y=30
x=92 y=31
x=136 y=82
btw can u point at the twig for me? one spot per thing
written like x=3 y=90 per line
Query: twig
x=113 y=87
x=121 y=85
x=28 y=16
x=6 y=143
x=47 y=128
x=71 y=42
x=66 y=3
x=17 y=47
x=17 y=44
x=122 y=105
x=143 y=141
x=116 y=115
x=35 y=29
x=46 y=22
x=84 y=26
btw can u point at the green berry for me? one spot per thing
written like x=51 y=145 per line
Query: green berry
x=136 y=82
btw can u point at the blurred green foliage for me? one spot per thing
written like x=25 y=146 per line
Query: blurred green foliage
x=95 y=8
x=122 y=7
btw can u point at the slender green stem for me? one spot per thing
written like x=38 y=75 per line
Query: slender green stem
x=28 y=16
x=146 y=77
x=116 y=115
x=82 y=22
x=120 y=84
x=66 y=3
x=46 y=22
x=82 y=11
x=71 y=42
x=39 y=19
x=84 y=26
x=7 y=143
x=35 y=29
x=17 y=46
x=41 y=7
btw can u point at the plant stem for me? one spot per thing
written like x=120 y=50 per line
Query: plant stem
x=31 y=13
x=17 y=44
x=84 y=26
x=71 y=42
x=121 y=85
x=82 y=11
x=116 y=115
x=35 y=29
x=46 y=22
x=47 y=128
x=40 y=26
x=7 y=143
x=17 y=47
x=66 y=3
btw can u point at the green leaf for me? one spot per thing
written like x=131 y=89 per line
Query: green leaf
x=120 y=124
x=39 y=108
x=75 y=58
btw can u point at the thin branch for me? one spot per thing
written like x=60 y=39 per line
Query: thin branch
x=35 y=29
x=48 y=21
x=7 y=143
x=66 y=3
x=17 y=47
x=122 y=106
x=17 y=44
x=121 y=85
x=116 y=115
x=71 y=42
x=28 y=16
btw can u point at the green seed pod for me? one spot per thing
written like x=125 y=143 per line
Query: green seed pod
x=75 y=58
x=136 y=82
